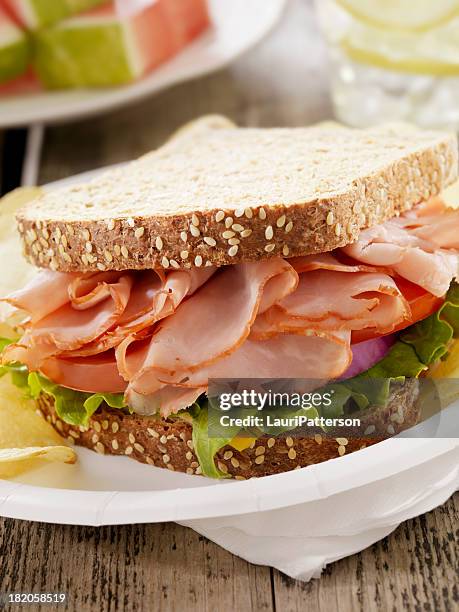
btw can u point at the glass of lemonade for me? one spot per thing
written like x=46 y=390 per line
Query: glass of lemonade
x=393 y=60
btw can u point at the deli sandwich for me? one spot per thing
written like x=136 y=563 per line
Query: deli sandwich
x=322 y=253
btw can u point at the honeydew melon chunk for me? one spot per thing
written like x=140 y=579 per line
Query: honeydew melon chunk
x=14 y=49
x=34 y=14
x=98 y=49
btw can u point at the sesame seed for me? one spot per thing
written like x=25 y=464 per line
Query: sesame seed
x=238 y=212
x=222 y=467
x=165 y=262
x=124 y=252
x=349 y=227
x=292 y=454
x=330 y=218
x=271 y=442
x=189 y=456
x=117 y=250
x=262 y=214
x=198 y=261
x=369 y=430
x=139 y=232
x=233 y=250
x=100 y=448
x=130 y=222
x=74 y=434
x=150 y=461
x=84 y=259
x=166 y=458
x=194 y=220
x=289 y=441
x=108 y=256
x=270 y=247
x=246 y=233
x=391 y=430
x=341 y=450
x=183 y=236
x=97 y=426
x=159 y=243
x=259 y=450
x=288 y=227
x=210 y=241
x=129 y=450
x=234 y=462
x=219 y=216
x=184 y=254
x=233 y=241
x=131 y=438
x=88 y=247
x=208 y=264
x=259 y=460
x=95 y=439
x=338 y=230
x=163 y=439
x=285 y=250
x=115 y=445
x=189 y=471
x=86 y=235
x=228 y=222
x=269 y=232
x=111 y=224
x=194 y=464
x=194 y=231
x=174 y=263
x=152 y=432
x=248 y=213
x=342 y=441
x=190 y=445
x=238 y=477
x=237 y=227
x=281 y=221
x=139 y=448
x=102 y=267
x=228 y=234
x=228 y=454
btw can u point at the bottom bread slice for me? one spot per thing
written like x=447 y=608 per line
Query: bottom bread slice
x=168 y=443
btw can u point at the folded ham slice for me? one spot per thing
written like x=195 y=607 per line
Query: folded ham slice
x=418 y=246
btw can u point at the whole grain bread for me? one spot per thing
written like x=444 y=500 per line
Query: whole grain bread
x=168 y=443
x=218 y=195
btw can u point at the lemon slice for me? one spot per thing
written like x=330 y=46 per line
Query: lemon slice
x=435 y=53
x=403 y=14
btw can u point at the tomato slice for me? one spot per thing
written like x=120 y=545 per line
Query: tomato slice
x=422 y=304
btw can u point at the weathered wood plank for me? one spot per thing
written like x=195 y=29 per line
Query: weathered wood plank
x=134 y=567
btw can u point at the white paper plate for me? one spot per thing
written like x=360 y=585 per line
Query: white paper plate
x=238 y=25
x=105 y=490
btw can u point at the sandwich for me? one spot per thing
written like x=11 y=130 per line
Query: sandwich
x=320 y=253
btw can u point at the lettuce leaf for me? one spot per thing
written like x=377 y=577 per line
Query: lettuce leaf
x=206 y=447
x=73 y=407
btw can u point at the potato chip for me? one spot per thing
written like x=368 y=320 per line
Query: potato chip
x=25 y=437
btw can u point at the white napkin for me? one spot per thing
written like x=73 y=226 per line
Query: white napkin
x=301 y=540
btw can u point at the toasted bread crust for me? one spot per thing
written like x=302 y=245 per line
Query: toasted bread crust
x=168 y=443
x=222 y=196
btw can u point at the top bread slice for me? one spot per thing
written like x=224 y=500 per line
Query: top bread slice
x=218 y=195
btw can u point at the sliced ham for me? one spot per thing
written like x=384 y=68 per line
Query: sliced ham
x=44 y=294
x=167 y=400
x=217 y=319
x=419 y=247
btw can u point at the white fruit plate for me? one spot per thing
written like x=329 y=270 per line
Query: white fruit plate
x=237 y=26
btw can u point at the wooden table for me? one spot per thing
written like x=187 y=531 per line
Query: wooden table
x=167 y=567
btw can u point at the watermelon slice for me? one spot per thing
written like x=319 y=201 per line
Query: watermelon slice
x=100 y=49
x=14 y=49
x=34 y=14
